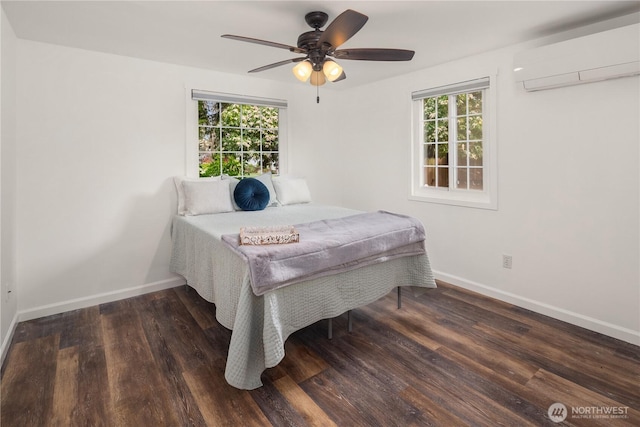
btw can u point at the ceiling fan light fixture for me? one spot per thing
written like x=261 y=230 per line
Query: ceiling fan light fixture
x=332 y=70
x=303 y=70
x=317 y=78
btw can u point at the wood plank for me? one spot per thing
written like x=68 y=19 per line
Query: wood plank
x=300 y=363
x=65 y=391
x=93 y=406
x=276 y=408
x=28 y=382
x=313 y=415
x=80 y=327
x=137 y=390
x=176 y=343
x=202 y=311
x=436 y=414
x=221 y=404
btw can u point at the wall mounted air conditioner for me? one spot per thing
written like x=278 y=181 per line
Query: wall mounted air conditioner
x=601 y=56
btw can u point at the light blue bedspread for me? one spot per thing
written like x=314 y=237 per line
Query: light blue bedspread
x=261 y=324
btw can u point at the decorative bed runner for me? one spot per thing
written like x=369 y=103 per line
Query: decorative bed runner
x=331 y=246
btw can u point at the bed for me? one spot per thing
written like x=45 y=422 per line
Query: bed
x=260 y=324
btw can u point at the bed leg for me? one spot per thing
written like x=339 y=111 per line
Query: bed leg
x=349 y=322
x=330 y=330
x=399 y=300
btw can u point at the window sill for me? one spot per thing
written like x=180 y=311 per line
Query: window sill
x=468 y=199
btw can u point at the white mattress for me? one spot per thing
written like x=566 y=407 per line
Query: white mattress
x=261 y=324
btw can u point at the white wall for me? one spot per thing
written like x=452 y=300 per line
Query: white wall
x=568 y=192
x=314 y=139
x=100 y=137
x=8 y=301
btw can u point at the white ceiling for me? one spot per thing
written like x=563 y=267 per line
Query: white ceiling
x=188 y=32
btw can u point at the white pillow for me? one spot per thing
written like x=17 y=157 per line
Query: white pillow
x=292 y=191
x=232 y=187
x=178 y=180
x=206 y=197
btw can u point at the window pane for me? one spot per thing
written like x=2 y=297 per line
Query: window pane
x=475 y=127
x=430 y=176
x=461 y=182
x=270 y=117
x=443 y=130
x=430 y=154
x=461 y=103
x=270 y=140
x=209 y=139
x=209 y=164
x=443 y=177
x=430 y=131
x=208 y=113
x=251 y=139
x=475 y=154
x=443 y=106
x=250 y=116
x=429 y=108
x=443 y=154
x=251 y=164
x=475 y=102
x=476 y=175
x=230 y=115
x=270 y=163
x=231 y=164
x=462 y=155
x=462 y=129
x=231 y=139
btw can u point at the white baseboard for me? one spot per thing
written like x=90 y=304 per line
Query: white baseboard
x=61 y=307
x=577 y=319
x=7 y=339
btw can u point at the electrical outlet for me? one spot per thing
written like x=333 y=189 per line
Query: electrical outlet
x=507 y=261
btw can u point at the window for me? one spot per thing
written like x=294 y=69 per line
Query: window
x=237 y=138
x=452 y=145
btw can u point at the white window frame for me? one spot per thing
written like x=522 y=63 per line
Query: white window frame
x=192 y=153
x=487 y=198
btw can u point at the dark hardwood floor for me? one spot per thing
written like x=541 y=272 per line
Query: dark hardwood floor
x=449 y=357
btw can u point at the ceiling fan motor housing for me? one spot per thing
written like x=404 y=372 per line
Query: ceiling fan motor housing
x=316 y=19
x=309 y=40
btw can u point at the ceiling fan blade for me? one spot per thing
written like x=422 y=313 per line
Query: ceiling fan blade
x=276 y=64
x=342 y=28
x=264 y=42
x=374 y=54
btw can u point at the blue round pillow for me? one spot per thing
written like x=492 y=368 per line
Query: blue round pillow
x=251 y=195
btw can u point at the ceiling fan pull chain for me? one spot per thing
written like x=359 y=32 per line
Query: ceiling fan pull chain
x=317 y=94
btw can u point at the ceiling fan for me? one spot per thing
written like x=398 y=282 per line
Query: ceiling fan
x=320 y=47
